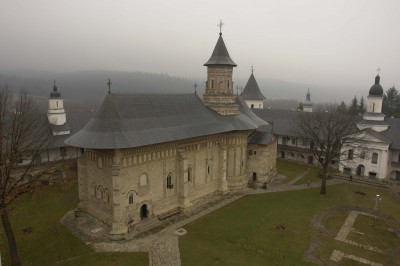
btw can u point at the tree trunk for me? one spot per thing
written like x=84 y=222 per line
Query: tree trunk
x=15 y=260
x=323 y=182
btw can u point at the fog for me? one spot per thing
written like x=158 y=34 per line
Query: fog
x=326 y=45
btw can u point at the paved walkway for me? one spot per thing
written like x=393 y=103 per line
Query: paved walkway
x=163 y=247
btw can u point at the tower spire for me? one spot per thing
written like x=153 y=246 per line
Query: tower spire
x=220 y=24
x=109 y=85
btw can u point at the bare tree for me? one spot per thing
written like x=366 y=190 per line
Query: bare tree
x=24 y=135
x=328 y=130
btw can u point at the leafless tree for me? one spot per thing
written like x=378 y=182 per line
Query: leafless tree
x=328 y=130
x=24 y=135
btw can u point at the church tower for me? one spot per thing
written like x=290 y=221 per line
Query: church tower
x=56 y=113
x=374 y=102
x=219 y=94
x=252 y=94
x=307 y=105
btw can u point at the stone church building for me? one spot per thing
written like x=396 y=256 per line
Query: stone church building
x=148 y=156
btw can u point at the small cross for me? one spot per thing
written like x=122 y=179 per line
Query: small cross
x=220 y=26
x=379 y=70
x=195 y=88
x=252 y=69
x=109 y=86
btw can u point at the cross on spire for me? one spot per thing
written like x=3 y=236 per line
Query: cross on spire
x=195 y=88
x=220 y=24
x=379 y=70
x=252 y=69
x=109 y=86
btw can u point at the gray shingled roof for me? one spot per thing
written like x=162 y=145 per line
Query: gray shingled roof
x=282 y=120
x=134 y=120
x=283 y=124
x=393 y=132
x=220 y=55
x=251 y=90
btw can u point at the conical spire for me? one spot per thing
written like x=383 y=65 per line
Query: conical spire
x=251 y=90
x=220 y=55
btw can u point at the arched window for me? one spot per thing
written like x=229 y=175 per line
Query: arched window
x=374 y=158
x=252 y=106
x=131 y=198
x=107 y=195
x=143 y=180
x=189 y=174
x=169 y=181
x=208 y=169
x=100 y=192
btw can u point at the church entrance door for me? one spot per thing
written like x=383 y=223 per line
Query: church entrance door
x=360 y=170
x=143 y=212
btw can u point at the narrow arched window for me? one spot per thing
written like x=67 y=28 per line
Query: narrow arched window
x=131 y=198
x=169 y=182
x=189 y=174
x=374 y=158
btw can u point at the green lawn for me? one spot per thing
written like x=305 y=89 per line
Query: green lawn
x=50 y=242
x=290 y=169
x=244 y=232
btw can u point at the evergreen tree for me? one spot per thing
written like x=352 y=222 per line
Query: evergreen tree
x=361 y=106
x=391 y=103
x=342 y=108
x=354 y=109
x=300 y=106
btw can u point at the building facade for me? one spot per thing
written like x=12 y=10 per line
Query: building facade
x=148 y=156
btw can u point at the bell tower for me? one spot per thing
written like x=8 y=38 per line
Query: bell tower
x=56 y=113
x=219 y=94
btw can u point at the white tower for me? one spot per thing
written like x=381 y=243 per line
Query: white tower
x=56 y=113
x=307 y=105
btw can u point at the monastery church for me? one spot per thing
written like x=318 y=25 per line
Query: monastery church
x=148 y=156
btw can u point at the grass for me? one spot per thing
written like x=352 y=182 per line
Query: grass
x=50 y=242
x=244 y=232
x=292 y=169
x=289 y=169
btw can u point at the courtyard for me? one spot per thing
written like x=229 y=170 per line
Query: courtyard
x=287 y=224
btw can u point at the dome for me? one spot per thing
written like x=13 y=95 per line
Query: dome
x=55 y=93
x=376 y=89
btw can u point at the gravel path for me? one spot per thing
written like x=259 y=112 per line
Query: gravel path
x=163 y=246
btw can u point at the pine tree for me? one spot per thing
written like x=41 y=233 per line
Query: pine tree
x=300 y=106
x=391 y=103
x=342 y=108
x=353 y=109
x=361 y=106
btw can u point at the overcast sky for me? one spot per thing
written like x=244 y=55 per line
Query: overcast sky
x=337 y=43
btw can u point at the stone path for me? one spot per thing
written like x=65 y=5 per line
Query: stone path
x=163 y=247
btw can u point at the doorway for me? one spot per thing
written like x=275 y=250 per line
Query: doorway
x=143 y=212
x=360 y=170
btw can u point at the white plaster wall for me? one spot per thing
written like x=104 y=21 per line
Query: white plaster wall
x=258 y=104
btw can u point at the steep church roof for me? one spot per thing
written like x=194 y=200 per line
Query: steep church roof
x=376 y=89
x=251 y=90
x=220 y=55
x=134 y=120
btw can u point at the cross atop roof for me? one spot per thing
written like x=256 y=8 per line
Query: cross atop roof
x=220 y=24
x=195 y=88
x=252 y=69
x=109 y=86
x=379 y=70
